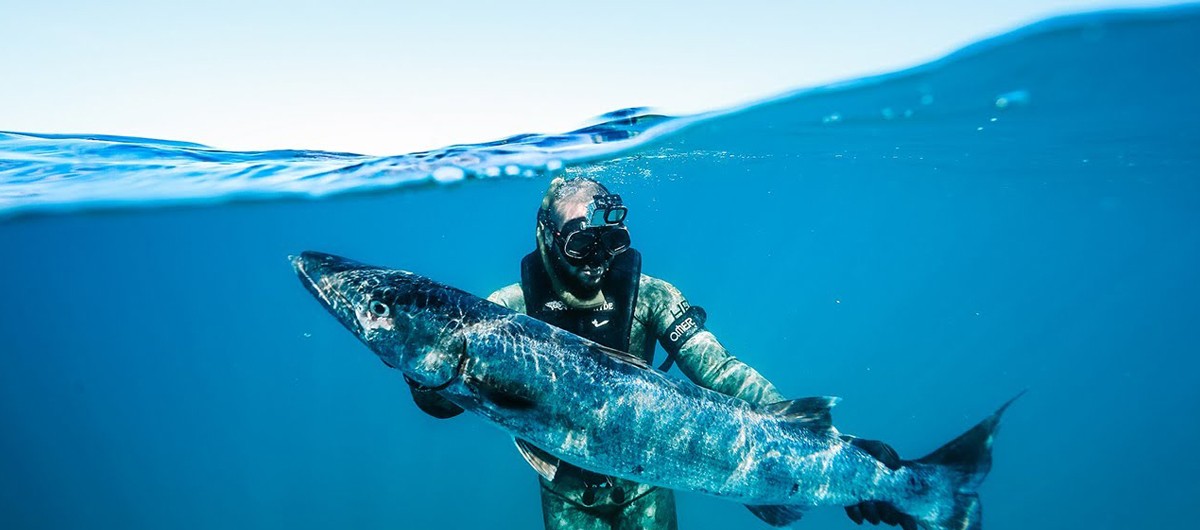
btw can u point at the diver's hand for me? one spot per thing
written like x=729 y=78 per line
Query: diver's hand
x=876 y=512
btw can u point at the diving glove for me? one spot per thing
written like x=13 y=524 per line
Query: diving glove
x=876 y=512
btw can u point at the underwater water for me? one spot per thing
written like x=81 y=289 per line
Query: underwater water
x=1024 y=214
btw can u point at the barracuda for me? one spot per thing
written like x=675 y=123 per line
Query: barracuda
x=606 y=411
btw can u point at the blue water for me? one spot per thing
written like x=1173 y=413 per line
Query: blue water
x=1022 y=214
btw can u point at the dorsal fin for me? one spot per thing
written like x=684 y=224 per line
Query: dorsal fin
x=623 y=356
x=544 y=463
x=811 y=412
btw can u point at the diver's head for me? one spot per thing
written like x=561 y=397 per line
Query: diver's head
x=581 y=228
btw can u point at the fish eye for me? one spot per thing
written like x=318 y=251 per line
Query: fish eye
x=378 y=308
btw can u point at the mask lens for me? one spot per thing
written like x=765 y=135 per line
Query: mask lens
x=615 y=240
x=615 y=215
x=598 y=218
x=579 y=244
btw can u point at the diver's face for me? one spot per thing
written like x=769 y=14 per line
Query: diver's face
x=588 y=271
x=583 y=276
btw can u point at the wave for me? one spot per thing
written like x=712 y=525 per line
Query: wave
x=48 y=173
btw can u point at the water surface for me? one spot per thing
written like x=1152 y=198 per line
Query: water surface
x=1021 y=214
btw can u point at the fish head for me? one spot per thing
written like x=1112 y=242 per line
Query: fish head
x=410 y=322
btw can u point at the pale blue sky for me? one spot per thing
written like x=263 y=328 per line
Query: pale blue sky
x=392 y=77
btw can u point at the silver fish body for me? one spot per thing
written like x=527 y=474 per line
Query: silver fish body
x=605 y=411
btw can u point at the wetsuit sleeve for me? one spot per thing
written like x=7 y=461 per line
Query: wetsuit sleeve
x=511 y=297
x=702 y=358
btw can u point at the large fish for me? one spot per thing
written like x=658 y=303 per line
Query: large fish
x=605 y=411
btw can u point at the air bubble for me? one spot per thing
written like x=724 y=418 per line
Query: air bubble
x=447 y=174
x=1009 y=99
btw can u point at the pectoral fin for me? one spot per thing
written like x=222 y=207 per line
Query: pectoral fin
x=777 y=515
x=435 y=405
x=544 y=463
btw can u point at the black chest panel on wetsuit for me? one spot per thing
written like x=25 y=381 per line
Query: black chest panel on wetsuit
x=610 y=324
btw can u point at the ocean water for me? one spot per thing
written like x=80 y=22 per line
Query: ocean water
x=1023 y=214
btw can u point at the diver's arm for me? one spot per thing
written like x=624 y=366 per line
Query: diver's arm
x=706 y=362
x=510 y=296
x=700 y=356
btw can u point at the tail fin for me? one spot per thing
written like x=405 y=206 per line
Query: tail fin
x=963 y=463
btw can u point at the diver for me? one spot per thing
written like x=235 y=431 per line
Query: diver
x=585 y=278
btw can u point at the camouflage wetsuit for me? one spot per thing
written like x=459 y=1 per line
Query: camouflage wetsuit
x=571 y=501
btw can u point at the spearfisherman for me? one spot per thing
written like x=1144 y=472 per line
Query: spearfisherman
x=585 y=278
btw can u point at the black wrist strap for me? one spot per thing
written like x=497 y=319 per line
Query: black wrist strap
x=680 y=331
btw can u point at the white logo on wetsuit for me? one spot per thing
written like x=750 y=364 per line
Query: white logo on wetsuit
x=597 y=323
x=681 y=328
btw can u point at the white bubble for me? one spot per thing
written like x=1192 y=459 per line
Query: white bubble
x=832 y=118
x=492 y=171
x=554 y=165
x=448 y=174
x=1009 y=99
x=512 y=170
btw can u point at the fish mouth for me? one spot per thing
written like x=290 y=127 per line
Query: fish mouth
x=315 y=269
